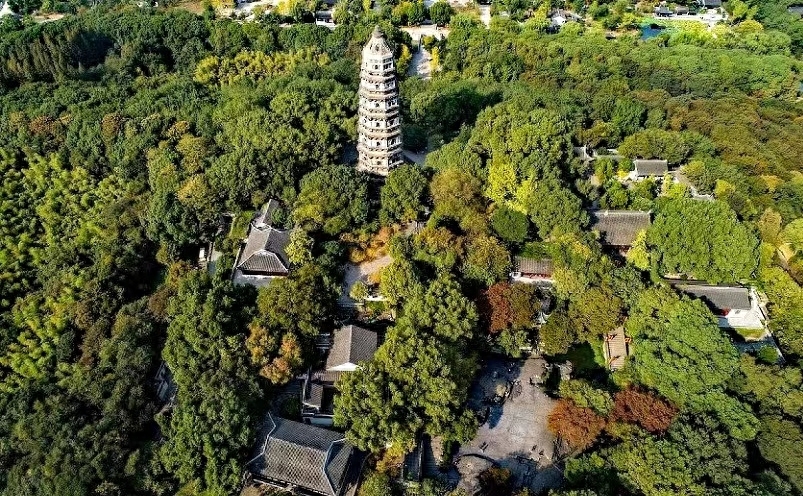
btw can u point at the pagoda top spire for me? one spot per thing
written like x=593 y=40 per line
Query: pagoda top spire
x=377 y=45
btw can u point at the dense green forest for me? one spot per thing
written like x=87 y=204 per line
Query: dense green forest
x=126 y=134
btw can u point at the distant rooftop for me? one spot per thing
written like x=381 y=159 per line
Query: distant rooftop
x=264 y=251
x=720 y=298
x=264 y=217
x=646 y=168
x=619 y=227
x=533 y=266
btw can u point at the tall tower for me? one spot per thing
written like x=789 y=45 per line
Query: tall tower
x=379 y=142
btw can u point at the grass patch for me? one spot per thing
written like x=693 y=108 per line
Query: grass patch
x=194 y=6
x=376 y=306
x=587 y=360
x=749 y=334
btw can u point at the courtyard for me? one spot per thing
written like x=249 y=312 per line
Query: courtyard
x=509 y=395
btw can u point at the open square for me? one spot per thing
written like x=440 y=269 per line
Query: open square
x=509 y=394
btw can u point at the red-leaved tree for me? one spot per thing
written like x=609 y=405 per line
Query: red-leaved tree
x=503 y=306
x=643 y=408
x=578 y=426
x=494 y=307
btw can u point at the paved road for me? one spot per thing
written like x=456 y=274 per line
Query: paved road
x=421 y=64
x=417 y=32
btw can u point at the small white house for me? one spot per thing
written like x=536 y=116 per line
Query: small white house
x=736 y=307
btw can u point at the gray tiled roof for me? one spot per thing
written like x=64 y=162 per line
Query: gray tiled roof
x=312 y=458
x=326 y=376
x=314 y=394
x=352 y=344
x=619 y=227
x=541 y=267
x=264 y=251
x=719 y=297
x=265 y=215
x=338 y=462
x=645 y=168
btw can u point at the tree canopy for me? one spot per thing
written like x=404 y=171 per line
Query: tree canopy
x=703 y=240
x=132 y=137
x=331 y=199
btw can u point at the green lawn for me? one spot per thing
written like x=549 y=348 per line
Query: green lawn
x=749 y=334
x=586 y=360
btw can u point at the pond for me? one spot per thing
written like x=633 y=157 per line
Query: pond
x=651 y=31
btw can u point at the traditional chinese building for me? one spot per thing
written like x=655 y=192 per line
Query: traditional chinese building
x=618 y=229
x=379 y=143
x=350 y=346
x=262 y=257
x=303 y=459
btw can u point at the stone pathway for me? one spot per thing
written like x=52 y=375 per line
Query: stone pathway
x=421 y=64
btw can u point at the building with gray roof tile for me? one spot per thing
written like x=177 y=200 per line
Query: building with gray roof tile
x=351 y=345
x=264 y=217
x=734 y=306
x=263 y=257
x=649 y=168
x=302 y=458
x=719 y=298
x=619 y=228
x=532 y=270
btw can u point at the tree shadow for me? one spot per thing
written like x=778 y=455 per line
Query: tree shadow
x=527 y=470
x=498 y=380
